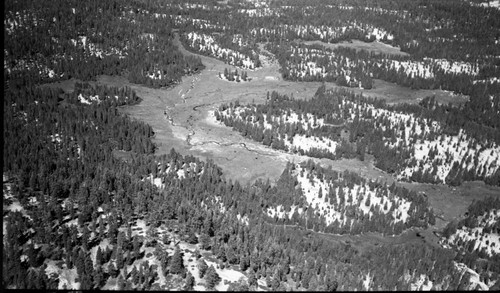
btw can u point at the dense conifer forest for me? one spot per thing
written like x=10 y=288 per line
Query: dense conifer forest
x=351 y=126
x=62 y=40
x=81 y=178
x=75 y=178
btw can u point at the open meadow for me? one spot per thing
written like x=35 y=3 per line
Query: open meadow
x=251 y=145
x=182 y=118
x=375 y=47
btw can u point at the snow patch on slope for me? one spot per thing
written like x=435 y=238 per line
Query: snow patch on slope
x=358 y=196
x=490 y=242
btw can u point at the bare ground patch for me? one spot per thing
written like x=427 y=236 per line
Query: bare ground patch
x=394 y=94
x=178 y=117
x=68 y=86
x=368 y=241
x=181 y=118
x=375 y=46
x=452 y=202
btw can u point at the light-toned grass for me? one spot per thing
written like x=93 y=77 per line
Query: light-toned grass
x=194 y=132
x=122 y=155
x=188 y=103
x=452 y=202
x=68 y=86
x=394 y=94
x=376 y=47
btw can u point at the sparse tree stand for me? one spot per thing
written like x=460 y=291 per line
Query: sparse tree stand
x=240 y=286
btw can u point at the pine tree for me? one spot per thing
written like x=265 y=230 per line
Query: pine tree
x=125 y=272
x=129 y=260
x=252 y=280
x=113 y=272
x=134 y=275
x=239 y=286
x=98 y=277
x=141 y=274
x=136 y=247
x=243 y=263
x=101 y=228
x=313 y=283
x=192 y=238
x=120 y=240
x=86 y=282
x=165 y=239
x=202 y=268
x=98 y=257
x=80 y=262
x=177 y=264
x=197 y=254
x=129 y=233
x=121 y=283
x=221 y=254
x=205 y=241
x=331 y=284
x=269 y=283
x=85 y=238
x=32 y=256
x=119 y=259
x=275 y=283
x=190 y=282
x=231 y=256
x=89 y=265
x=211 y=277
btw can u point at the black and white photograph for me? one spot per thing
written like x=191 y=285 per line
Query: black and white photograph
x=251 y=145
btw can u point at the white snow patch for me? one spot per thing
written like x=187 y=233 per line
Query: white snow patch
x=311 y=185
x=488 y=241
x=66 y=277
x=88 y=100
x=474 y=277
x=422 y=284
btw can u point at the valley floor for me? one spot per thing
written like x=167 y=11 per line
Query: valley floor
x=182 y=118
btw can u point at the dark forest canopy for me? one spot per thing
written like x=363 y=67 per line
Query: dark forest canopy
x=349 y=120
x=70 y=39
x=80 y=170
x=64 y=170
